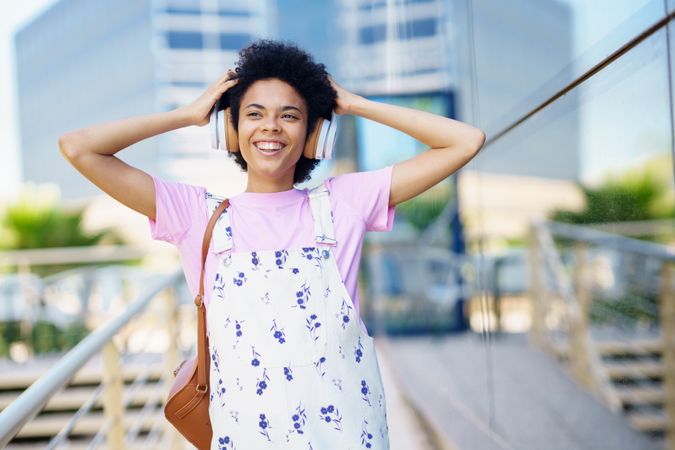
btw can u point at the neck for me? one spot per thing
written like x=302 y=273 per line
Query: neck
x=267 y=185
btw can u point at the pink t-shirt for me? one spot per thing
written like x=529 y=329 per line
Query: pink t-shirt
x=274 y=221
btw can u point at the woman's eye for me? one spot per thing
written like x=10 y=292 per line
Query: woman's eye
x=253 y=114
x=289 y=116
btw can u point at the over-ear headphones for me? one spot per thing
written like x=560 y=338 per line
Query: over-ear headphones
x=319 y=143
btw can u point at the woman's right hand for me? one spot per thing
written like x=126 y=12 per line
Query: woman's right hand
x=200 y=109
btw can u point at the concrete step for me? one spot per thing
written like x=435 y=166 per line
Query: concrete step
x=636 y=347
x=21 y=379
x=634 y=369
x=73 y=398
x=642 y=395
x=48 y=425
x=648 y=421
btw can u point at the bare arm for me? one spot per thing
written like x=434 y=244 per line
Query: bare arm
x=91 y=150
x=452 y=143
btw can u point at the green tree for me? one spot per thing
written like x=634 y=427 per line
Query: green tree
x=424 y=209
x=37 y=219
x=645 y=193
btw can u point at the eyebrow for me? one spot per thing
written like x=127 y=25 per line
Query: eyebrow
x=285 y=108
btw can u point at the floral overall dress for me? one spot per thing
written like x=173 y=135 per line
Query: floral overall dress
x=291 y=367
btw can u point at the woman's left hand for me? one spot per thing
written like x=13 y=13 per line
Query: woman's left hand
x=345 y=99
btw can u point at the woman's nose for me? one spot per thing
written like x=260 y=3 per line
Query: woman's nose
x=271 y=123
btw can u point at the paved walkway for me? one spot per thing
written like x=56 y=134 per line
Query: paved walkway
x=407 y=430
x=512 y=396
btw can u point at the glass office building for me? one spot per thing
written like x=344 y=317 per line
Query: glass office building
x=83 y=62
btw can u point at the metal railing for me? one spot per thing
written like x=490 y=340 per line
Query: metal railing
x=125 y=338
x=592 y=289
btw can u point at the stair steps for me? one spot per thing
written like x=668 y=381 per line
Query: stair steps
x=636 y=370
x=60 y=408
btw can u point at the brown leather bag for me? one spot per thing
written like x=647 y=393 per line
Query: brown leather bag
x=187 y=406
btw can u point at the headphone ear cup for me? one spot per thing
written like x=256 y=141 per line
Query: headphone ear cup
x=312 y=140
x=320 y=143
x=231 y=136
x=213 y=126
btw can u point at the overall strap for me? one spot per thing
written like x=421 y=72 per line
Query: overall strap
x=222 y=233
x=202 y=340
x=319 y=200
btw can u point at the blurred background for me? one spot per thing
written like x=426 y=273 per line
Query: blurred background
x=527 y=302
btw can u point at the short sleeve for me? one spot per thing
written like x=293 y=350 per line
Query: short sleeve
x=176 y=206
x=368 y=193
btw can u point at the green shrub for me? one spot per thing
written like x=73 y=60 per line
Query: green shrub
x=644 y=193
x=38 y=220
x=423 y=210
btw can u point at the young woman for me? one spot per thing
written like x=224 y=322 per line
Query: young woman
x=292 y=365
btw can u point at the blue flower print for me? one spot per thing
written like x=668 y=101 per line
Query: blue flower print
x=366 y=436
x=240 y=279
x=302 y=297
x=238 y=329
x=280 y=257
x=220 y=390
x=295 y=271
x=364 y=392
x=299 y=419
x=312 y=325
x=344 y=312
x=330 y=414
x=215 y=359
x=319 y=366
x=219 y=285
x=261 y=383
x=265 y=425
x=358 y=351
x=225 y=443
x=278 y=334
x=228 y=232
x=313 y=254
x=288 y=373
x=255 y=261
x=266 y=298
x=255 y=361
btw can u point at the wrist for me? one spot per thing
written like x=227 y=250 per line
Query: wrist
x=356 y=106
x=183 y=116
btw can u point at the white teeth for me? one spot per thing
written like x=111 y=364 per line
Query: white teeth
x=269 y=145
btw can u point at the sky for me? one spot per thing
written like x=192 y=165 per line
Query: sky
x=14 y=15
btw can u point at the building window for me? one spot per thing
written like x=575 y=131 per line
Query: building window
x=372 y=34
x=404 y=30
x=185 y=39
x=231 y=41
x=418 y=28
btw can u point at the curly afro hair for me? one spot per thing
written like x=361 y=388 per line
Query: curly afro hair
x=266 y=59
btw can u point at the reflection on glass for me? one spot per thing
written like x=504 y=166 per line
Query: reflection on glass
x=522 y=62
x=599 y=163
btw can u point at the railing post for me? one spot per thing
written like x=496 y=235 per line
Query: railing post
x=177 y=442
x=579 y=353
x=667 y=319
x=26 y=324
x=112 y=396
x=536 y=288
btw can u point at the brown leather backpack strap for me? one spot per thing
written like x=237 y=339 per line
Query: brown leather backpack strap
x=199 y=301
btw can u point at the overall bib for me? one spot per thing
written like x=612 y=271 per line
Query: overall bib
x=291 y=367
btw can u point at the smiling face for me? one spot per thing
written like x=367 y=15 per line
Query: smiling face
x=272 y=129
